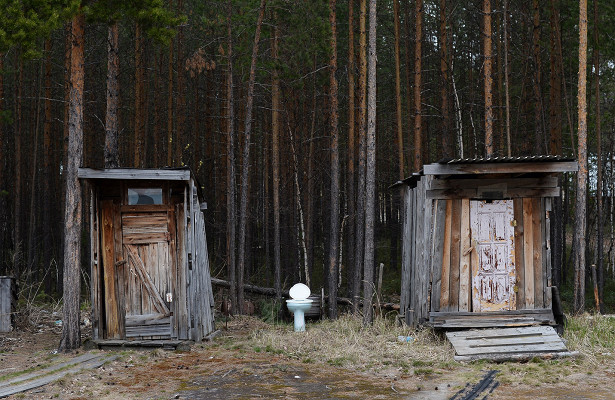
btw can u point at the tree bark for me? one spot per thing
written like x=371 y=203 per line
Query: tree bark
x=335 y=166
x=538 y=113
x=275 y=159
x=245 y=172
x=139 y=144
x=112 y=154
x=488 y=79
x=72 y=216
x=362 y=124
x=370 y=204
x=418 y=68
x=398 y=104
x=353 y=280
x=446 y=139
x=599 y=205
x=581 y=198
x=231 y=214
x=507 y=79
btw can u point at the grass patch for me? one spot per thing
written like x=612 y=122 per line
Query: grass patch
x=347 y=343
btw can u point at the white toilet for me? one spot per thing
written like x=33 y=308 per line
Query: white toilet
x=299 y=304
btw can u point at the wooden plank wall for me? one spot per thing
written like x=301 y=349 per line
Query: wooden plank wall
x=95 y=262
x=419 y=262
x=451 y=248
x=8 y=300
x=201 y=265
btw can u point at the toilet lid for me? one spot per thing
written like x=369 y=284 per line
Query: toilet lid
x=299 y=291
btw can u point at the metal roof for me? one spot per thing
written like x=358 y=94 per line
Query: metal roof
x=541 y=158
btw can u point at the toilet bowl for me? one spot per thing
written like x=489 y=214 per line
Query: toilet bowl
x=299 y=304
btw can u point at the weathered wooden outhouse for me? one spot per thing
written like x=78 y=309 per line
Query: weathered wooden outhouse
x=476 y=242
x=150 y=275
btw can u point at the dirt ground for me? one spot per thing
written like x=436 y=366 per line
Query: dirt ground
x=230 y=367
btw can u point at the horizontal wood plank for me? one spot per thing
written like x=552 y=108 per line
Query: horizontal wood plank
x=137 y=174
x=473 y=183
x=499 y=168
x=486 y=194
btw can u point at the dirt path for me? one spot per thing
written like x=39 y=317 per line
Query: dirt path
x=233 y=368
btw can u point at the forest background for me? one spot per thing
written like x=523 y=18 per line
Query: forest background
x=267 y=103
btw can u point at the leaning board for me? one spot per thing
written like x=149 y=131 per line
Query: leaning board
x=507 y=343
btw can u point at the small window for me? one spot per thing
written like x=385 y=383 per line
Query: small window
x=139 y=196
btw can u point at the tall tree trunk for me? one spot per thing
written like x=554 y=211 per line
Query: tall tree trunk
x=48 y=171
x=112 y=154
x=362 y=123
x=506 y=21
x=231 y=215
x=180 y=105
x=538 y=114
x=275 y=159
x=418 y=69
x=245 y=171
x=370 y=204
x=446 y=139
x=33 y=186
x=581 y=198
x=139 y=145
x=170 y=110
x=3 y=181
x=17 y=235
x=353 y=279
x=335 y=167
x=398 y=124
x=555 y=138
x=599 y=208
x=72 y=216
x=407 y=64
x=488 y=79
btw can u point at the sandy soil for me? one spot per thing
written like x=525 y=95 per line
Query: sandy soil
x=229 y=368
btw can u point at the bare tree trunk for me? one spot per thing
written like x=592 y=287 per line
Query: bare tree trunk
x=112 y=156
x=599 y=207
x=245 y=172
x=507 y=80
x=398 y=124
x=370 y=212
x=17 y=235
x=488 y=79
x=538 y=113
x=231 y=215
x=170 y=111
x=48 y=171
x=72 y=216
x=581 y=199
x=362 y=88
x=335 y=166
x=447 y=148
x=418 y=68
x=139 y=146
x=353 y=281
x=275 y=159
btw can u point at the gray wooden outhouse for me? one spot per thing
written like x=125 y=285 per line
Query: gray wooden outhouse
x=476 y=242
x=150 y=275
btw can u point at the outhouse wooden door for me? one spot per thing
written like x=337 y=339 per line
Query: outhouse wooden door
x=493 y=255
x=149 y=270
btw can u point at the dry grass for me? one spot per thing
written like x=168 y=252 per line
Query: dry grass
x=347 y=343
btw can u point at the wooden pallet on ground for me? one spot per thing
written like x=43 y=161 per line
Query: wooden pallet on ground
x=508 y=344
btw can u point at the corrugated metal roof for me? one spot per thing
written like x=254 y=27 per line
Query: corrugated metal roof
x=476 y=160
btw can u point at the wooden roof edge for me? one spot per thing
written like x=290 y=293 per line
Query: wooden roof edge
x=171 y=174
x=501 y=167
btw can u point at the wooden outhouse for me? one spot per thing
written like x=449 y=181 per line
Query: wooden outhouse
x=150 y=275
x=476 y=242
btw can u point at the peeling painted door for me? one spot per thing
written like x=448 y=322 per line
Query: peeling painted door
x=493 y=255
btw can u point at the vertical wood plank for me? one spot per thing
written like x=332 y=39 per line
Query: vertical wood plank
x=437 y=253
x=95 y=280
x=6 y=303
x=528 y=250
x=455 y=255
x=519 y=254
x=547 y=279
x=406 y=252
x=539 y=265
x=108 y=244
x=183 y=319
x=446 y=257
x=464 y=261
x=427 y=230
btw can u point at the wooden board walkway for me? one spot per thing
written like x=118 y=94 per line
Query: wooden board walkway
x=521 y=343
x=50 y=374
